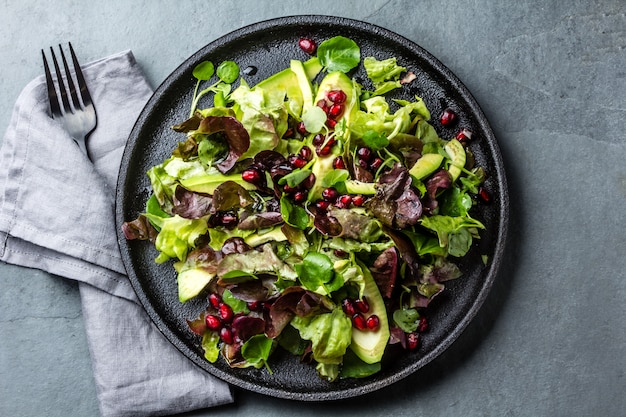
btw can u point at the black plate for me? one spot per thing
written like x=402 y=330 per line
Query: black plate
x=269 y=46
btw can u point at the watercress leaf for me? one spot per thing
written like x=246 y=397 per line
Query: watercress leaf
x=339 y=54
x=238 y=306
x=203 y=71
x=228 y=71
x=295 y=177
x=314 y=119
x=354 y=367
x=375 y=140
x=407 y=319
x=293 y=214
x=334 y=177
x=256 y=351
x=315 y=270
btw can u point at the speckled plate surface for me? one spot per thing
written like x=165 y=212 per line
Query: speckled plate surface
x=269 y=46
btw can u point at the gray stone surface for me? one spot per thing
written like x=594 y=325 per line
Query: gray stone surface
x=550 y=77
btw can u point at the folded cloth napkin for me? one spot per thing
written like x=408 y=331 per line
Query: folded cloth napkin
x=57 y=215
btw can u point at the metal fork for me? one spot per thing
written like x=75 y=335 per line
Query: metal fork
x=78 y=117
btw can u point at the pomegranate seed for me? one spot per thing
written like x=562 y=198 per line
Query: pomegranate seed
x=412 y=340
x=306 y=153
x=335 y=111
x=363 y=163
x=301 y=128
x=251 y=175
x=324 y=151
x=330 y=194
x=215 y=300
x=348 y=308
x=288 y=133
x=300 y=196
x=484 y=195
x=376 y=163
x=448 y=116
x=364 y=154
x=340 y=253
x=228 y=220
x=345 y=200
x=359 y=321
x=331 y=123
x=318 y=139
x=338 y=163
x=226 y=313
x=307 y=45
x=226 y=335
x=322 y=205
x=288 y=189
x=309 y=182
x=358 y=200
x=373 y=322
x=213 y=322
x=422 y=325
x=330 y=142
x=362 y=305
x=255 y=305
x=336 y=96
x=322 y=105
x=299 y=161
x=464 y=135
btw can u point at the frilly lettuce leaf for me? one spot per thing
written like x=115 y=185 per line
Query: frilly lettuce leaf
x=329 y=333
x=177 y=235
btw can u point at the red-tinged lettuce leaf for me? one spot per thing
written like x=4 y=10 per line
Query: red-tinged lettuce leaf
x=189 y=125
x=268 y=159
x=236 y=135
x=396 y=203
x=244 y=327
x=260 y=220
x=324 y=223
x=139 y=229
x=230 y=195
x=385 y=270
x=198 y=325
x=440 y=180
x=406 y=250
x=356 y=226
x=234 y=245
x=255 y=290
x=294 y=301
x=191 y=205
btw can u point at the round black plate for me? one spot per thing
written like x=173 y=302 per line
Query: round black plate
x=269 y=46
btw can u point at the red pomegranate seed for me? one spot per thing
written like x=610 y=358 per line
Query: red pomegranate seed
x=227 y=335
x=331 y=123
x=213 y=322
x=228 y=220
x=226 y=313
x=322 y=105
x=464 y=135
x=288 y=189
x=335 y=111
x=338 y=163
x=306 y=153
x=307 y=45
x=362 y=305
x=484 y=195
x=324 y=150
x=422 y=326
x=322 y=205
x=318 y=139
x=358 y=200
x=348 y=308
x=301 y=128
x=340 y=254
x=299 y=161
x=373 y=322
x=336 y=96
x=215 y=300
x=255 y=305
x=330 y=194
x=364 y=154
x=345 y=200
x=412 y=341
x=251 y=175
x=309 y=182
x=359 y=321
x=300 y=196
x=376 y=163
x=288 y=133
x=448 y=116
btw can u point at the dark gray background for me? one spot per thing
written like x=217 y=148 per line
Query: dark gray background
x=551 y=78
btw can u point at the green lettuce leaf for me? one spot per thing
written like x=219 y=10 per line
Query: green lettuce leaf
x=330 y=334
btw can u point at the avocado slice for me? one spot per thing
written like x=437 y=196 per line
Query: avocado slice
x=455 y=150
x=337 y=80
x=191 y=282
x=209 y=182
x=370 y=345
x=426 y=165
x=297 y=67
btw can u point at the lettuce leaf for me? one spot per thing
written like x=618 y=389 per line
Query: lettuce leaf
x=329 y=333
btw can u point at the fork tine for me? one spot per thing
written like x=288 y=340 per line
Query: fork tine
x=70 y=81
x=82 y=85
x=55 y=109
x=64 y=99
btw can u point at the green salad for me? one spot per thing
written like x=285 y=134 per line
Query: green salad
x=313 y=213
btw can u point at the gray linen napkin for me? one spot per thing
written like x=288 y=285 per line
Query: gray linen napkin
x=57 y=215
